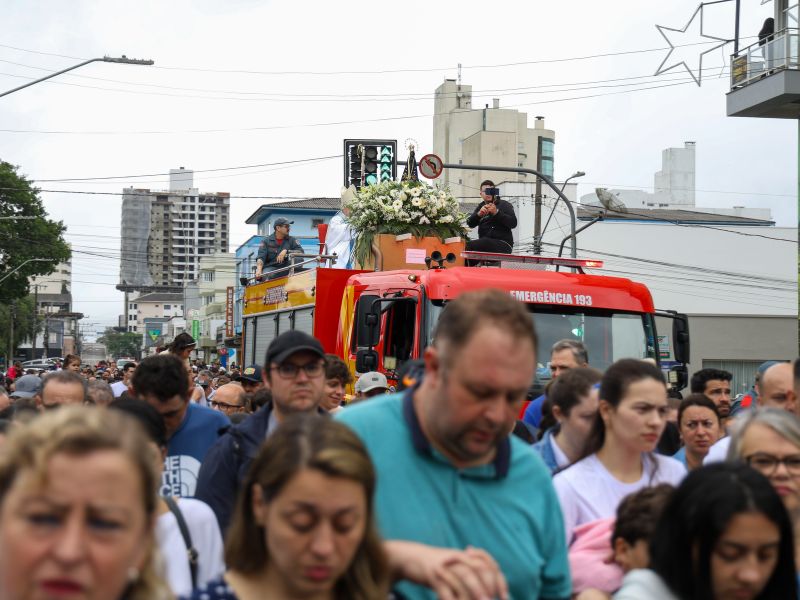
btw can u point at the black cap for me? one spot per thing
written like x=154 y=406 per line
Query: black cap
x=286 y=344
x=282 y=221
x=251 y=373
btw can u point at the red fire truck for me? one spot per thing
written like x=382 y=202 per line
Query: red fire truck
x=378 y=320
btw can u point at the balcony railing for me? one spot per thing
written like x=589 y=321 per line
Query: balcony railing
x=762 y=59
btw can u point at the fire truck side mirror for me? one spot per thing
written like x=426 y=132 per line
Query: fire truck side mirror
x=678 y=377
x=368 y=322
x=680 y=337
x=366 y=361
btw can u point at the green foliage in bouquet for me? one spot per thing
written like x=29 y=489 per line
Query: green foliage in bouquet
x=398 y=207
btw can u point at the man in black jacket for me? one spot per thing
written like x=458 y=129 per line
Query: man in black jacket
x=495 y=219
x=294 y=371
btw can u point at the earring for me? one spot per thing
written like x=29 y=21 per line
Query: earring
x=133 y=574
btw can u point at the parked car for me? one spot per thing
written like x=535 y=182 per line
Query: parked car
x=37 y=364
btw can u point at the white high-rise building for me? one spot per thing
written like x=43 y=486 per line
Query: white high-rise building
x=165 y=233
x=486 y=136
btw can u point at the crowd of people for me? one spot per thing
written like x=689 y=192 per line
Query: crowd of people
x=165 y=478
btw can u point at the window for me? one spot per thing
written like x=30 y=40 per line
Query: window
x=316 y=223
x=167 y=307
x=208 y=275
x=399 y=337
x=208 y=300
x=546 y=156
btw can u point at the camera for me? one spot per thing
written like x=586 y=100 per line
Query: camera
x=492 y=191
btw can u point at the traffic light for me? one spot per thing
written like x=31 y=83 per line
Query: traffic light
x=367 y=162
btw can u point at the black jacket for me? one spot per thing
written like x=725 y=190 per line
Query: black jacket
x=496 y=226
x=225 y=465
x=270 y=247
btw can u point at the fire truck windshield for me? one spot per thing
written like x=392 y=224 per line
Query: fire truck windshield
x=608 y=335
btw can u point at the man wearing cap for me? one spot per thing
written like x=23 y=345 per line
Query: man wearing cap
x=273 y=250
x=294 y=371
x=251 y=379
x=28 y=386
x=369 y=385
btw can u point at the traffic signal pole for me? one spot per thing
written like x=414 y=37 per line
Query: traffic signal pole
x=541 y=177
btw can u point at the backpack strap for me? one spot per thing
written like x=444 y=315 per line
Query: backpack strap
x=191 y=551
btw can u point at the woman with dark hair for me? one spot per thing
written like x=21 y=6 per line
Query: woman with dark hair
x=573 y=397
x=303 y=525
x=618 y=458
x=700 y=426
x=724 y=534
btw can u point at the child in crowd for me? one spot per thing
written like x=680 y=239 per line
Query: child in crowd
x=596 y=574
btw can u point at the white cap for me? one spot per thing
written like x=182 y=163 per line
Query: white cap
x=370 y=381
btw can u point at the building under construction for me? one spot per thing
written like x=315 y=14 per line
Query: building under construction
x=164 y=235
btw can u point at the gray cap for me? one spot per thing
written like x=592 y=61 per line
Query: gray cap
x=283 y=221
x=370 y=381
x=27 y=386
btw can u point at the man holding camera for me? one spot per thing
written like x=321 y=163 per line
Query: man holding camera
x=495 y=218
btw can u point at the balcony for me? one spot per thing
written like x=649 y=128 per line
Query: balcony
x=765 y=79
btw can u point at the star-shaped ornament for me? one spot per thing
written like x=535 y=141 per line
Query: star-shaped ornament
x=688 y=38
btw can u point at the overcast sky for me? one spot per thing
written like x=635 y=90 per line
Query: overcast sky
x=220 y=96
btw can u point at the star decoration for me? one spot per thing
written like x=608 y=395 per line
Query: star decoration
x=662 y=30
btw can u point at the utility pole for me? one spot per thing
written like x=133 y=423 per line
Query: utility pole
x=46 y=341
x=33 y=318
x=537 y=202
x=11 y=332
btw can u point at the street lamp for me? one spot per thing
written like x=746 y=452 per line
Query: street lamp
x=123 y=59
x=7 y=275
x=538 y=243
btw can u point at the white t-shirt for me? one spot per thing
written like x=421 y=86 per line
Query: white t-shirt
x=119 y=388
x=561 y=458
x=718 y=452
x=206 y=538
x=588 y=492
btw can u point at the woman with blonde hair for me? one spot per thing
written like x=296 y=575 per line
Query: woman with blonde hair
x=303 y=525
x=78 y=497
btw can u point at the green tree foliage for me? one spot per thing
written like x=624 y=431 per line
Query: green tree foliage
x=23 y=239
x=121 y=344
x=21 y=310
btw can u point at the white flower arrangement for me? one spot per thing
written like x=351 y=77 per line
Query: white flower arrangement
x=398 y=207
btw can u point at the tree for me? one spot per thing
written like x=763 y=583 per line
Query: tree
x=23 y=239
x=121 y=343
x=21 y=312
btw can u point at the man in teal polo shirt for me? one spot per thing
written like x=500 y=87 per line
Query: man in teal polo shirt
x=449 y=473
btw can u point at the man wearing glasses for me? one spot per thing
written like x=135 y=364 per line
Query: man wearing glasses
x=229 y=399
x=273 y=250
x=294 y=371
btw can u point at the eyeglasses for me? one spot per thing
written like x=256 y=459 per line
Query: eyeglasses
x=290 y=371
x=224 y=405
x=768 y=464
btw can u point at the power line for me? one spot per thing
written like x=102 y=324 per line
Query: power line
x=397 y=97
x=323 y=124
x=285 y=162
x=387 y=71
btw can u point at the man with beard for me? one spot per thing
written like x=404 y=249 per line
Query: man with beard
x=714 y=384
x=457 y=478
